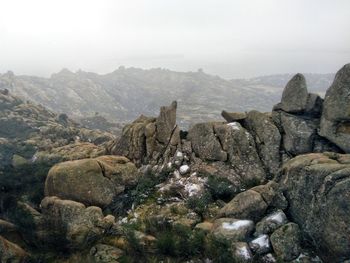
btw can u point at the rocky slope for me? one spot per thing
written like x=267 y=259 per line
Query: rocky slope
x=126 y=93
x=258 y=187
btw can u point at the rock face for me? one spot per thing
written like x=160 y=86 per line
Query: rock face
x=295 y=95
x=91 y=181
x=317 y=188
x=267 y=138
x=335 y=121
x=149 y=139
x=69 y=224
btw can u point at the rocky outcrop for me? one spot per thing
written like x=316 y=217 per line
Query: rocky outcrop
x=149 y=139
x=91 y=181
x=335 y=121
x=317 y=188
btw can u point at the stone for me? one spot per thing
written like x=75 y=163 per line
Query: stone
x=317 y=189
x=71 y=225
x=204 y=226
x=184 y=169
x=232 y=229
x=91 y=181
x=314 y=105
x=272 y=195
x=165 y=123
x=335 y=120
x=10 y=252
x=295 y=95
x=299 y=134
x=239 y=145
x=245 y=205
x=267 y=138
x=271 y=222
x=205 y=143
x=241 y=252
x=260 y=245
x=233 y=116
x=286 y=241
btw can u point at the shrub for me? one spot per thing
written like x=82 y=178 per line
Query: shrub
x=221 y=188
x=199 y=204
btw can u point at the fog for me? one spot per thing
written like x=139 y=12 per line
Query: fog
x=230 y=38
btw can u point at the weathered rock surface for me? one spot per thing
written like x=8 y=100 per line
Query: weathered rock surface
x=295 y=95
x=10 y=252
x=71 y=225
x=335 y=121
x=205 y=143
x=267 y=138
x=246 y=205
x=317 y=188
x=286 y=242
x=91 y=181
x=233 y=116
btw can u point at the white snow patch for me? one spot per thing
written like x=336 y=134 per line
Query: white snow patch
x=237 y=225
x=184 y=169
x=192 y=189
x=179 y=154
x=277 y=217
x=244 y=252
x=234 y=125
x=169 y=165
x=262 y=241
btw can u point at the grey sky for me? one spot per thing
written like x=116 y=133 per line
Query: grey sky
x=231 y=38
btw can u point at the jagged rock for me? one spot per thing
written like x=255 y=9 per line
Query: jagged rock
x=246 y=205
x=286 y=241
x=267 y=138
x=10 y=252
x=165 y=123
x=299 y=133
x=232 y=229
x=335 y=121
x=271 y=222
x=69 y=224
x=317 y=188
x=233 y=116
x=295 y=95
x=205 y=144
x=91 y=181
x=241 y=252
x=239 y=145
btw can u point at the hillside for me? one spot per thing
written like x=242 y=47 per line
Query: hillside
x=124 y=94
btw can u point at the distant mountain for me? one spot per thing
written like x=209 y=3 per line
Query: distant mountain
x=124 y=94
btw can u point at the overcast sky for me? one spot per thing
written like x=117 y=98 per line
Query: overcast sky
x=230 y=38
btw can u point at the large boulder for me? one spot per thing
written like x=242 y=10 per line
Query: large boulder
x=232 y=229
x=317 y=188
x=267 y=138
x=166 y=123
x=299 y=133
x=91 y=181
x=70 y=225
x=295 y=95
x=335 y=121
x=246 y=205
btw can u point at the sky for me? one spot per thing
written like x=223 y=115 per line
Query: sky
x=229 y=38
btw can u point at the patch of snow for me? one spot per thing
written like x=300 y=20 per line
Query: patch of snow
x=192 y=189
x=244 y=252
x=234 y=125
x=179 y=154
x=170 y=165
x=184 y=169
x=262 y=241
x=277 y=217
x=237 y=225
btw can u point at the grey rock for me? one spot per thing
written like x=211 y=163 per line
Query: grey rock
x=295 y=95
x=271 y=222
x=233 y=116
x=232 y=229
x=335 y=121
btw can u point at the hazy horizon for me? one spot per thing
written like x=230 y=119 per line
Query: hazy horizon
x=231 y=39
